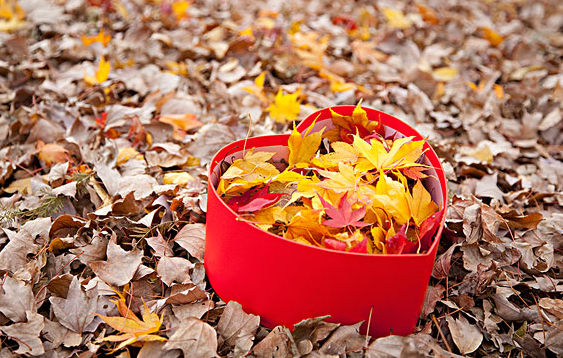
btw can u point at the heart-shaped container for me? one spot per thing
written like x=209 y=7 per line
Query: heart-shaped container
x=285 y=282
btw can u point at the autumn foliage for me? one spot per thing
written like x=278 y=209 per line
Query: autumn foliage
x=348 y=189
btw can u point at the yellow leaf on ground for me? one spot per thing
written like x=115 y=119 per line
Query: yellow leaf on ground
x=101 y=37
x=52 y=153
x=396 y=19
x=181 y=179
x=444 y=74
x=286 y=107
x=11 y=15
x=22 y=186
x=258 y=87
x=132 y=328
x=128 y=153
x=179 y=9
x=493 y=37
x=101 y=74
x=185 y=121
x=499 y=91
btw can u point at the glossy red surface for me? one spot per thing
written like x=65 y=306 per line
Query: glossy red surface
x=285 y=282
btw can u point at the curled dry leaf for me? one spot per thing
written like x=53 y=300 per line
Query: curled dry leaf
x=467 y=337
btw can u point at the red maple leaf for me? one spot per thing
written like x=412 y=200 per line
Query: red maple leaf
x=254 y=200
x=400 y=244
x=427 y=229
x=343 y=215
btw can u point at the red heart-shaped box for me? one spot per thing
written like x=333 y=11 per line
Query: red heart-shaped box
x=285 y=282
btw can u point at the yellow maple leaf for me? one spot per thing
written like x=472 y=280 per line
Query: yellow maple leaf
x=133 y=329
x=396 y=19
x=101 y=37
x=420 y=203
x=243 y=174
x=128 y=153
x=343 y=153
x=257 y=88
x=392 y=196
x=179 y=9
x=444 y=74
x=11 y=15
x=286 y=107
x=303 y=147
x=306 y=224
x=101 y=74
x=493 y=37
x=403 y=154
x=182 y=179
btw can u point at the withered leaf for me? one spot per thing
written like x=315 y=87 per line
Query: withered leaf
x=76 y=311
x=195 y=338
x=27 y=334
x=16 y=298
x=467 y=337
x=277 y=344
x=237 y=328
x=192 y=238
x=120 y=266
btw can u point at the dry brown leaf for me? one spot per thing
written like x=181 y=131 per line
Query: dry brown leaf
x=467 y=337
x=76 y=311
x=237 y=329
x=16 y=298
x=174 y=269
x=195 y=338
x=192 y=238
x=27 y=334
x=120 y=266
x=277 y=344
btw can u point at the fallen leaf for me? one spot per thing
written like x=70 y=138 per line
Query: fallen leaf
x=52 y=153
x=76 y=311
x=100 y=75
x=16 y=298
x=444 y=74
x=493 y=37
x=132 y=328
x=195 y=338
x=467 y=337
x=120 y=266
x=26 y=334
x=101 y=37
x=237 y=329
x=277 y=344
x=192 y=238
x=396 y=19
x=286 y=107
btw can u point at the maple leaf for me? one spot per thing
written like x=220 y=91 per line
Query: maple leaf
x=133 y=329
x=342 y=153
x=396 y=19
x=343 y=215
x=248 y=172
x=257 y=88
x=101 y=74
x=11 y=15
x=182 y=123
x=307 y=226
x=128 y=153
x=179 y=9
x=302 y=147
x=420 y=203
x=286 y=107
x=357 y=124
x=427 y=229
x=403 y=154
x=254 y=200
x=391 y=195
x=101 y=37
x=52 y=153
x=399 y=243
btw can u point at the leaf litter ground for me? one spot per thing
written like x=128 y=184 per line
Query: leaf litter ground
x=112 y=109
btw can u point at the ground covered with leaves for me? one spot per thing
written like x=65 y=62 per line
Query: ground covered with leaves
x=110 y=111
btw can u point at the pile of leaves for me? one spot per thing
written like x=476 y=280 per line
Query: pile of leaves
x=360 y=192
x=110 y=111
